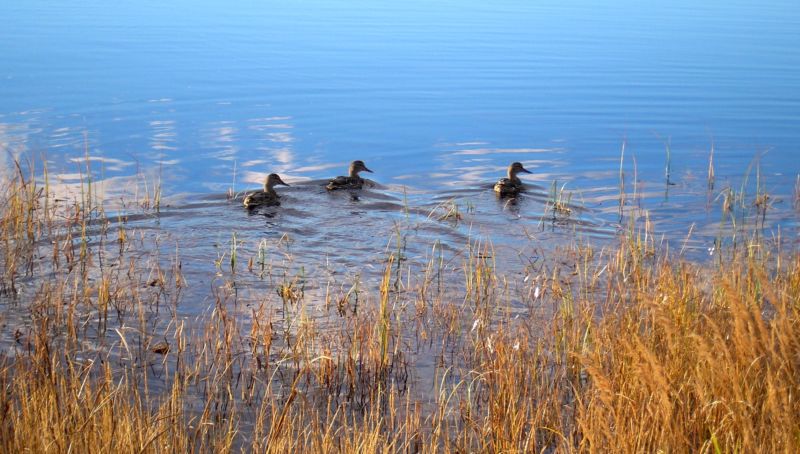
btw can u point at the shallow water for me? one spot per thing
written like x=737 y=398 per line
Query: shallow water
x=202 y=98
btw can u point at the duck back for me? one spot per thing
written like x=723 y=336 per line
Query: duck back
x=345 y=183
x=261 y=198
x=507 y=187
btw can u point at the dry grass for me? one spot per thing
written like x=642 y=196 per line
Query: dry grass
x=626 y=349
x=796 y=193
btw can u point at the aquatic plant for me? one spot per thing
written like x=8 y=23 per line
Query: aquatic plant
x=626 y=348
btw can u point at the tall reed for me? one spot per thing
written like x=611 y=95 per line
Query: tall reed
x=627 y=348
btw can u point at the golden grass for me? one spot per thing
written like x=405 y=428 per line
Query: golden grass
x=626 y=349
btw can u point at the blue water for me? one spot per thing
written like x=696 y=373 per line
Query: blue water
x=437 y=97
x=204 y=98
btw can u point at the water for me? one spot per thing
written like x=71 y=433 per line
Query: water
x=206 y=98
x=436 y=97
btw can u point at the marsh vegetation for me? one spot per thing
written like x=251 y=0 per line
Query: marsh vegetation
x=627 y=347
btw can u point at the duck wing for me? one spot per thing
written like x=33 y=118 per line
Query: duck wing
x=505 y=186
x=260 y=198
x=345 y=183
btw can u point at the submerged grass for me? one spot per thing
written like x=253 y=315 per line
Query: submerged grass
x=796 y=194
x=559 y=203
x=625 y=349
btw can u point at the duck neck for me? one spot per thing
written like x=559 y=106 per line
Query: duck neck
x=270 y=190
x=512 y=175
x=354 y=173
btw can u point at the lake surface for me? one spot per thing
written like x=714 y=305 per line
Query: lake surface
x=438 y=98
x=615 y=107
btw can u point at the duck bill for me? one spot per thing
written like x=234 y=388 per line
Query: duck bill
x=283 y=183
x=524 y=170
x=367 y=170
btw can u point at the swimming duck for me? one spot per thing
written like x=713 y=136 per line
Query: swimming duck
x=511 y=185
x=353 y=181
x=266 y=197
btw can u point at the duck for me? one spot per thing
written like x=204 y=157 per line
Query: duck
x=266 y=197
x=512 y=185
x=352 y=181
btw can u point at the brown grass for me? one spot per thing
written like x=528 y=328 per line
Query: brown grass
x=626 y=349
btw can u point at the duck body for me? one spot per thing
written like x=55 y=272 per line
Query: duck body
x=352 y=181
x=512 y=185
x=261 y=198
x=268 y=196
x=506 y=187
x=342 y=182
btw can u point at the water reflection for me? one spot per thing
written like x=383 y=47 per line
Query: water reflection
x=214 y=158
x=242 y=157
x=164 y=137
x=110 y=164
x=221 y=139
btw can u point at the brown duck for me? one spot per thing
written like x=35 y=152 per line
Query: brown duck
x=352 y=181
x=511 y=185
x=266 y=197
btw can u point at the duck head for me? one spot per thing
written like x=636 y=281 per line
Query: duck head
x=514 y=169
x=273 y=180
x=358 y=166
